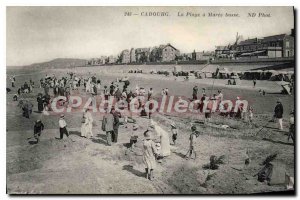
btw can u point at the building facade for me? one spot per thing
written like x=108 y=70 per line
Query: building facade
x=112 y=59
x=132 y=55
x=222 y=51
x=288 y=46
x=142 y=55
x=97 y=61
x=168 y=52
x=125 y=55
x=275 y=46
x=203 y=55
x=155 y=54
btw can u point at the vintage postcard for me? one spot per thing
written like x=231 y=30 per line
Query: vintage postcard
x=150 y=100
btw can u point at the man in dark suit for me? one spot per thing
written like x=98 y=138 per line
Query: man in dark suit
x=108 y=126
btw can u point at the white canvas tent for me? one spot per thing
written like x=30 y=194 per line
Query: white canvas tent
x=286 y=87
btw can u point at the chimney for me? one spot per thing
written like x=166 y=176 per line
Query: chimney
x=293 y=32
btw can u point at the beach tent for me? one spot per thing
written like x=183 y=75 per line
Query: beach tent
x=209 y=70
x=286 y=87
x=234 y=77
x=276 y=76
x=273 y=75
x=224 y=74
x=199 y=74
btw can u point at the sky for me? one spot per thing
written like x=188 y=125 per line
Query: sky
x=38 y=34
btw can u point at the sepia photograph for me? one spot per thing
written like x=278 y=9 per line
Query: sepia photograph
x=150 y=100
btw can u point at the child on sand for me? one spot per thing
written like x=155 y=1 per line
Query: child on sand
x=134 y=136
x=38 y=128
x=250 y=114
x=149 y=155
x=192 y=138
x=174 y=132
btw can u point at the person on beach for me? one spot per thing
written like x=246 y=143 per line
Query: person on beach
x=251 y=114
x=292 y=127
x=134 y=136
x=164 y=139
x=84 y=125
x=15 y=97
x=149 y=154
x=254 y=83
x=40 y=103
x=105 y=93
x=150 y=93
x=116 y=125
x=174 y=132
x=108 y=126
x=63 y=126
x=38 y=128
x=12 y=82
x=220 y=96
x=195 y=92
x=27 y=109
x=167 y=91
x=192 y=139
x=278 y=112
x=90 y=120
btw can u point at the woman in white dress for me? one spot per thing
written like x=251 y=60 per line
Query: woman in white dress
x=99 y=86
x=90 y=120
x=164 y=140
x=88 y=86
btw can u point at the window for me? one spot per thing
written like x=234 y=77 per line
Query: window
x=287 y=44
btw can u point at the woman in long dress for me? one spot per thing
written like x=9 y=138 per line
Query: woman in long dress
x=88 y=86
x=90 y=120
x=149 y=155
x=164 y=140
x=40 y=104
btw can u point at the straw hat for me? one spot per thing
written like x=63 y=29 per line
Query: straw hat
x=278 y=100
x=62 y=116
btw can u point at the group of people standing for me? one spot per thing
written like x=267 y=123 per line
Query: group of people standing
x=153 y=151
